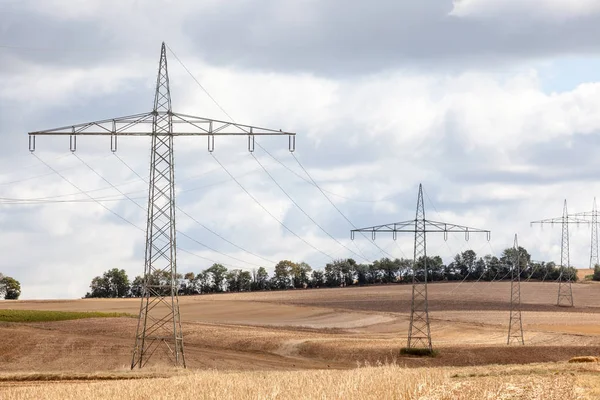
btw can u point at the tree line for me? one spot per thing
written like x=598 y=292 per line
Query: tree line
x=465 y=266
x=10 y=288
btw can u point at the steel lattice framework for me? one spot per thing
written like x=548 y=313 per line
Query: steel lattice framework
x=592 y=218
x=515 y=324
x=594 y=239
x=565 y=292
x=159 y=320
x=419 y=334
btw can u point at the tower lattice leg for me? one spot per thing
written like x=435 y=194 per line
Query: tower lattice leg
x=419 y=335
x=159 y=323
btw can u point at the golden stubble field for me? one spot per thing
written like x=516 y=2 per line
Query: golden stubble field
x=324 y=343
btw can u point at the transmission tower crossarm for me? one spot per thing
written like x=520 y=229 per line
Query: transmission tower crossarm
x=429 y=227
x=584 y=214
x=112 y=126
x=208 y=126
x=198 y=126
x=569 y=219
x=142 y=125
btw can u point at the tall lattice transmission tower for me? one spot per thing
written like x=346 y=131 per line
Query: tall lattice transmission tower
x=419 y=334
x=565 y=291
x=515 y=324
x=592 y=218
x=594 y=239
x=159 y=320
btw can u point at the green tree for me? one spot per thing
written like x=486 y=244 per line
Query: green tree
x=463 y=264
x=100 y=287
x=389 y=269
x=479 y=269
x=118 y=281
x=435 y=268
x=9 y=287
x=361 y=272
x=217 y=273
x=283 y=269
x=300 y=273
x=494 y=269
x=340 y=272
x=260 y=279
x=508 y=257
x=404 y=268
x=188 y=286
x=204 y=282
x=348 y=272
x=113 y=283
x=245 y=281
x=161 y=282
x=596 y=272
x=136 y=286
x=238 y=280
x=571 y=273
x=317 y=279
x=374 y=274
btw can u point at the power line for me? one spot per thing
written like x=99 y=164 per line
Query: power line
x=239 y=184
x=83 y=192
x=325 y=190
x=54 y=49
x=117 y=214
x=340 y=211
x=16 y=181
x=199 y=84
x=313 y=181
x=45 y=199
x=267 y=211
x=302 y=210
x=195 y=220
x=145 y=210
x=223 y=238
x=108 y=182
x=41 y=199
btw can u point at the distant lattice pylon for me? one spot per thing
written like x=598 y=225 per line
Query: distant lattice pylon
x=419 y=333
x=565 y=279
x=592 y=218
x=515 y=324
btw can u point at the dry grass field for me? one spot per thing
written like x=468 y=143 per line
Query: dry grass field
x=324 y=343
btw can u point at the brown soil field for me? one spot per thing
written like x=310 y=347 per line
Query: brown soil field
x=318 y=329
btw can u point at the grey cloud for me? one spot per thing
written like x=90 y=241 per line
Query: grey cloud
x=554 y=160
x=335 y=38
x=343 y=37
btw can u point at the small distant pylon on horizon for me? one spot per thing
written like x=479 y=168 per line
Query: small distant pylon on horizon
x=515 y=324
x=565 y=292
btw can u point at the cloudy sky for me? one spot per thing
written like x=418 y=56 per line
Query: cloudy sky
x=494 y=105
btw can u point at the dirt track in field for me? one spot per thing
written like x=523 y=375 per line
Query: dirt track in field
x=324 y=328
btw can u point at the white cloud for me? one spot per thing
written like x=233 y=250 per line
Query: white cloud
x=532 y=9
x=488 y=147
x=38 y=86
